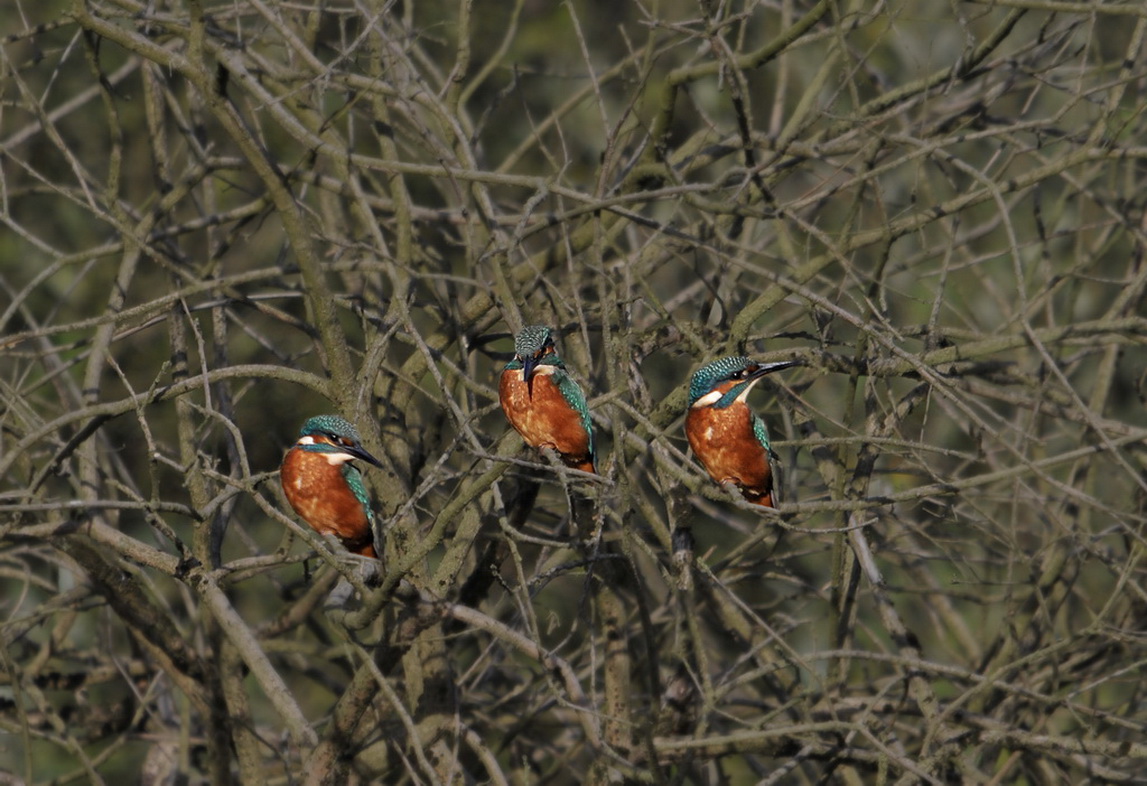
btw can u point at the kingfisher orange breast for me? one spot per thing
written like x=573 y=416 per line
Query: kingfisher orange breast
x=724 y=441
x=546 y=420
x=318 y=492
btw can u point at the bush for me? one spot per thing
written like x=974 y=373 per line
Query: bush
x=222 y=220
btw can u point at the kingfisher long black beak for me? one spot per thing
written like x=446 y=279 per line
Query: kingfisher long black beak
x=768 y=368
x=529 y=364
x=361 y=453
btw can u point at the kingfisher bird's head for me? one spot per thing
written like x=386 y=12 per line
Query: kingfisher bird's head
x=534 y=348
x=335 y=438
x=722 y=382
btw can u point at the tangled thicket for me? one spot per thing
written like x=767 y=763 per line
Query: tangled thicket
x=222 y=218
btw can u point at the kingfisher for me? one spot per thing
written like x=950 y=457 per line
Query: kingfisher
x=542 y=401
x=324 y=485
x=728 y=437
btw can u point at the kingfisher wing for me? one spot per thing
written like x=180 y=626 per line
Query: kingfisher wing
x=761 y=432
x=574 y=396
x=776 y=468
x=353 y=477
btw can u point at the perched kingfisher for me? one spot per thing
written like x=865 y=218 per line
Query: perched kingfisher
x=543 y=402
x=324 y=485
x=728 y=437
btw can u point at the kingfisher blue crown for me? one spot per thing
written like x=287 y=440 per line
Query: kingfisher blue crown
x=331 y=425
x=532 y=340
